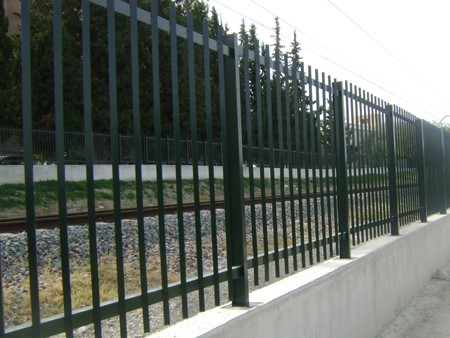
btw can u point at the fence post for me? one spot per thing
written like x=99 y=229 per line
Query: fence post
x=341 y=172
x=421 y=170
x=392 y=170
x=443 y=175
x=233 y=176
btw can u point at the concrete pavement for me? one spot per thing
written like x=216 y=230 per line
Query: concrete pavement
x=428 y=314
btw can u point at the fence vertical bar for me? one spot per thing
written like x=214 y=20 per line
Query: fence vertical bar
x=289 y=115
x=210 y=144
x=443 y=176
x=341 y=172
x=178 y=173
x=296 y=104
x=400 y=146
x=89 y=154
x=224 y=149
x=261 y=159
x=377 y=166
x=61 y=177
x=307 y=152
x=320 y=150
x=279 y=120
x=364 y=159
x=350 y=156
x=384 y=179
x=421 y=170
x=138 y=162
x=392 y=170
x=354 y=160
x=28 y=157
x=248 y=120
x=159 y=160
x=270 y=133
x=331 y=186
x=370 y=181
x=195 y=159
x=115 y=156
x=411 y=143
x=233 y=175
x=313 y=162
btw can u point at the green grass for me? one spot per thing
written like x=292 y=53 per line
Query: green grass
x=12 y=196
x=13 y=199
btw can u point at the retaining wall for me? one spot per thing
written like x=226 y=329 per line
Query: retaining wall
x=355 y=297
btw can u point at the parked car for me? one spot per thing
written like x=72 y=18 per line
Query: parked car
x=11 y=159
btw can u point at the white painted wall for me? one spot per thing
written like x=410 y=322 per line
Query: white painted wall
x=15 y=173
x=349 y=298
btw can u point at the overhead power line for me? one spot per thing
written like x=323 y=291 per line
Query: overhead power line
x=346 y=68
x=383 y=88
x=243 y=15
x=389 y=52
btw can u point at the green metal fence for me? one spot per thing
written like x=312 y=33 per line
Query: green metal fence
x=329 y=166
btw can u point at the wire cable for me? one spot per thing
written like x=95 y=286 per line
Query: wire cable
x=389 y=52
x=243 y=15
x=346 y=68
x=383 y=88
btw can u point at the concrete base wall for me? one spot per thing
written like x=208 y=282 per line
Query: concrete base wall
x=355 y=297
x=15 y=173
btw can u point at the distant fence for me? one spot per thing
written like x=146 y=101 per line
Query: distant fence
x=44 y=149
x=300 y=218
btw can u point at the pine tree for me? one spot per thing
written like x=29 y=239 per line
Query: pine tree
x=215 y=23
x=242 y=32
x=295 y=52
x=277 y=46
x=278 y=86
x=252 y=42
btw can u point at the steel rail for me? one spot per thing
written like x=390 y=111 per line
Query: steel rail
x=15 y=225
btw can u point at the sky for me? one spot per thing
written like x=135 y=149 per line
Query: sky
x=398 y=50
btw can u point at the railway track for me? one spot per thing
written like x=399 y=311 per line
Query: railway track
x=15 y=225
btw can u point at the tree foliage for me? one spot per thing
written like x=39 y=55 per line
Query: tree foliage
x=8 y=87
x=42 y=67
x=42 y=77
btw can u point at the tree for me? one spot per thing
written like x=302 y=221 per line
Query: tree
x=295 y=52
x=42 y=68
x=215 y=23
x=8 y=115
x=277 y=46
